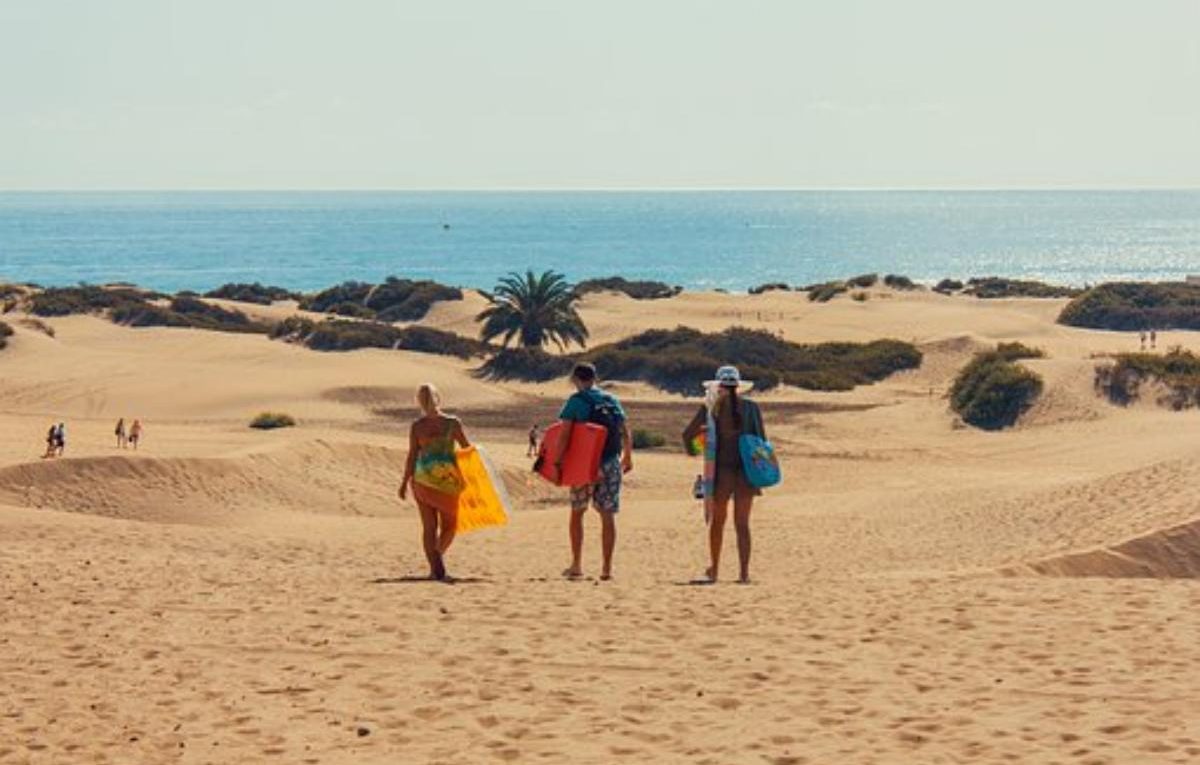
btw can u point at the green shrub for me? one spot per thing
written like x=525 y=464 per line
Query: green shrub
x=293 y=329
x=204 y=315
x=1135 y=306
x=1016 y=351
x=5 y=333
x=141 y=314
x=405 y=300
x=440 y=342
x=648 y=439
x=990 y=287
x=132 y=307
x=347 y=335
x=678 y=360
x=897 y=282
x=352 y=310
x=67 y=301
x=771 y=287
x=256 y=293
x=823 y=293
x=946 y=286
x=860 y=297
x=343 y=335
x=1177 y=371
x=346 y=292
x=393 y=300
x=638 y=290
x=864 y=281
x=184 y=312
x=992 y=391
x=272 y=420
x=10 y=296
x=526 y=364
x=37 y=324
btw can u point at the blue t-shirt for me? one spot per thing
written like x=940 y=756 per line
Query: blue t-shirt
x=579 y=406
x=582 y=404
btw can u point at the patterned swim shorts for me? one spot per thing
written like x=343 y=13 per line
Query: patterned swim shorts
x=605 y=493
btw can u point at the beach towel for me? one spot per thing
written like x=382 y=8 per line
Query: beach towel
x=710 y=451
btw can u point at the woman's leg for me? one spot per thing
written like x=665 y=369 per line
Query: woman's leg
x=429 y=540
x=743 y=501
x=448 y=523
x=608 y=541
x=716 y=532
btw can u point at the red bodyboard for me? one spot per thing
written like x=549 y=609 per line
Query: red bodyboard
x=581 y=463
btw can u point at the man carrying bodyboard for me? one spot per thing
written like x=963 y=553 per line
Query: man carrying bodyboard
x=590 y=404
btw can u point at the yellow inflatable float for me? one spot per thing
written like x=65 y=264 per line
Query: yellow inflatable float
x=481 y=503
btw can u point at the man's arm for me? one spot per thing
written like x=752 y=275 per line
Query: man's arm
x=564 y=440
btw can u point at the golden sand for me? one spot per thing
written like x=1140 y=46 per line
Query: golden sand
x=924 y=593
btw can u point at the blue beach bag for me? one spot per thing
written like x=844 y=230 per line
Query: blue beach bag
x=759 y=462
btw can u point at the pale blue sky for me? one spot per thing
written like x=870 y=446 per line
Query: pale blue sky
x=232 y=94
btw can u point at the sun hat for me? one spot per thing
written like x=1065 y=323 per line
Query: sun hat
x=728 y=377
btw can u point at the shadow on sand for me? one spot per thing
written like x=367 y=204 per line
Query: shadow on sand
x=427 y=580
x=702 y=582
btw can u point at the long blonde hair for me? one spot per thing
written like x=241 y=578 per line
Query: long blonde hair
x=429 y=399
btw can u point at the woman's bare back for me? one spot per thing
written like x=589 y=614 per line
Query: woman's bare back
x=428 y=430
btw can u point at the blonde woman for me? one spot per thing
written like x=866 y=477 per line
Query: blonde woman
x=432 y=471
x=722 y=422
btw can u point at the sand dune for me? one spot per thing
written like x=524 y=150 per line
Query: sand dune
x=924 y=592
x=310 y=478
x=1167 y=553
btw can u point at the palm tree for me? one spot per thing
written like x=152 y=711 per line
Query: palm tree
x=534 y=310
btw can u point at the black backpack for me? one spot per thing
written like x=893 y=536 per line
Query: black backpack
x=605 y=412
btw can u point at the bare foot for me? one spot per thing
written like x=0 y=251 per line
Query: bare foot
x=572 y=573
x=606 y=576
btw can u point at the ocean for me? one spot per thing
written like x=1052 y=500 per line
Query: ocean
x=700 y=240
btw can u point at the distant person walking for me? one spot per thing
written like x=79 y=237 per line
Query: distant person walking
x=1153 y=339
x=590 y=404
x=1143 y=337
x=51 y=442
x=433 y=473
x=726 y=416
x=120 y=433
x=533 y=441
x=135 y=434
x=60 y=439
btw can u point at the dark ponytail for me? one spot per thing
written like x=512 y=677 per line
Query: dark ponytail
x=737 y=409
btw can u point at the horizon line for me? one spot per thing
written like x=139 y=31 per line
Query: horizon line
x=580 y=189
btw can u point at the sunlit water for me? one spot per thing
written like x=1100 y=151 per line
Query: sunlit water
x=731 y=240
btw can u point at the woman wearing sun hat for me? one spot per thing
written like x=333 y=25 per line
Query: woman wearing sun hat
x=723 y=419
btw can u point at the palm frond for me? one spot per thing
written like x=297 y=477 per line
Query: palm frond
x=534 y=309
